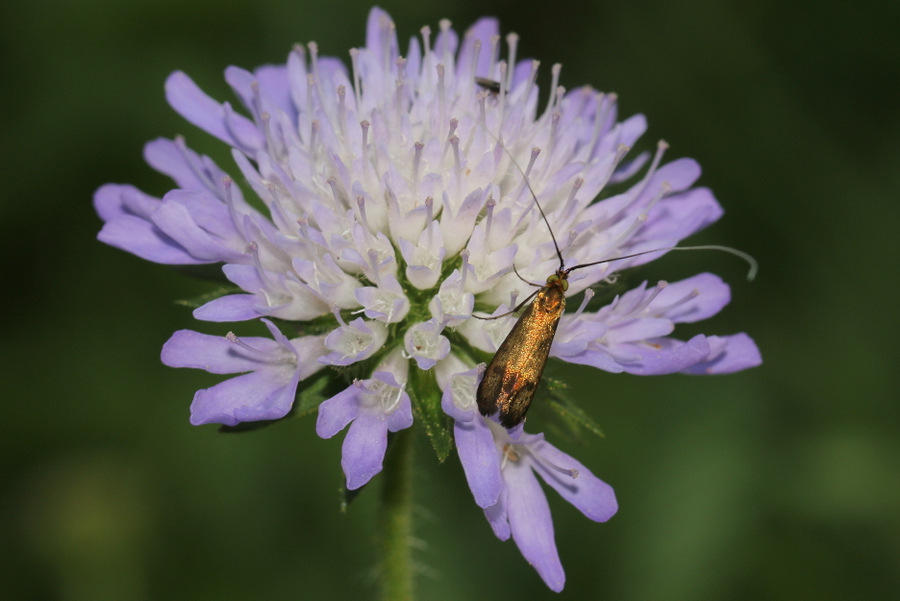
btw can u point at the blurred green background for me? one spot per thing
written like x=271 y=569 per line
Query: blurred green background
x=779 y=483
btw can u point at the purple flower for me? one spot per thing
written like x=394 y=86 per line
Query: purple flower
x=375 y=407
x=521 y=508
x=393 y=203
x=271 y=371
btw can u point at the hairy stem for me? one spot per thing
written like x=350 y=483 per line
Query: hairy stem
x=396 y=519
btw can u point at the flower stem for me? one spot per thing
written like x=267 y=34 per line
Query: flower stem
x=396 y=519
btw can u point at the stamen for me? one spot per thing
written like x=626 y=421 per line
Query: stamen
x=554 y=128
x=279 y=213
x=588 y=295
x=364 y=124
x=454 y=123
x=339 y=202
x=313 y=134
x=457 y=161
x=429 y=216
x=535 y=151
x=354 y=61
x=417 y=162
x=269 y=356
x=464 y=255
x=442 y=112
x=554 y=82
x=342 y=111
x=227 y=182
x=512 y=40
x=489 y=217
x=426 y=42
x=373 y=260
x=336 y=311
x=684 y=299
x=645 y=302
x=445 y=26
x=473 y=62
x=570 y=201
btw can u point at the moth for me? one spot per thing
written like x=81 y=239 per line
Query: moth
x=512 y=377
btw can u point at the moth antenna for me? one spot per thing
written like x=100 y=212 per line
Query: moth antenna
x=510 y=312
x=534 y=151
x=751 y=272
x=524 y=280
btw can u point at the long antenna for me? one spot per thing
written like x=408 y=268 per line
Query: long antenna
x=751 y=273
x=535 y=151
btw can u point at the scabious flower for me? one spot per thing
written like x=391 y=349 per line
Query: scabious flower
x=390 y=202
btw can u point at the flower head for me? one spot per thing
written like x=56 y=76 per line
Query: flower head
x=393 y=199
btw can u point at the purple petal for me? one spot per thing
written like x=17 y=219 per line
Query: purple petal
x=362 y=453
x=693 y=299
x=639 y=329
x=728 y=354
x=112 y=201
x=215 y=354
x=338 y=411
x=531 y=524
x=480 y=460
x=402 y=416
x=668 y=356
x=234 y=307
x=255 y=396
x=194 y=105
x=483 y=30
x=498 y=517
x=591 y=495
x=126 y=211
x=176 y=220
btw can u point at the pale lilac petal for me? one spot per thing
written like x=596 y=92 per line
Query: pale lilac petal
x=670 y=356
x=215 y=354
x=254 y=396
x=483 y=30
x=194 y=105
x=498 y=517
x=142 y=238
x=112 y=201
x=728 y=354
x=362 y=453
x=591 y=495
x=402 y=416
x=234 y=307
x=338 y=411
x=175 y=219
x=126 y=211
x=532 y=526
x=599 y=358
x=637 y=330
x=693 y=299
x=480 y=460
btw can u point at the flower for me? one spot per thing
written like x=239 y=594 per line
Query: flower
x=375 y=406
x=500 y=466
x=390 y=202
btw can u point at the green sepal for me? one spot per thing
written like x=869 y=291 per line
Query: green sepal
x=426 y=405
x=199 y=301
x=572 y=416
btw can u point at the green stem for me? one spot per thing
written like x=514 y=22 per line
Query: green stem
x=396 y=519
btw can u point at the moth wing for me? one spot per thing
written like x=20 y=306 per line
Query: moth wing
x=522 y=388
x=512 y=376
